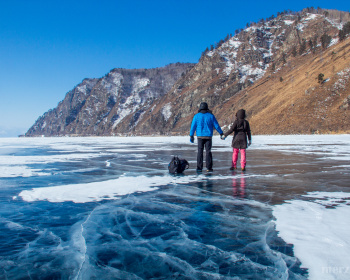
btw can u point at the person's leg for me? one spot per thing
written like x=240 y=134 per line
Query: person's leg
x=235 y=157
x=200 y=154
x=208 y=154
x=243 y=159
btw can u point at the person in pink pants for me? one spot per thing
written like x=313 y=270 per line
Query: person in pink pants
x=242 y=138
x=235 y=158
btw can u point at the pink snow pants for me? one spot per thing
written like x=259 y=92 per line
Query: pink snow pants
x=235 y=157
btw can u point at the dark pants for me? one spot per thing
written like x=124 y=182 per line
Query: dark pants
x=207 y=143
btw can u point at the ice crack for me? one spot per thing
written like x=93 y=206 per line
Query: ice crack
x=79 y=242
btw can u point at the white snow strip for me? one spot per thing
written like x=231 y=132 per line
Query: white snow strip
x=20 y=171
x=21 y=160
x=320 y=235
x=96 y=191
x=335 y=147
x=111 y=189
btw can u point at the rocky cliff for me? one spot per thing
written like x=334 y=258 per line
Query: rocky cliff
x=271 y=69
x=110 y=105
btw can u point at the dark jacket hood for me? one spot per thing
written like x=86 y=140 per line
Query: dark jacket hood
x=240 y=114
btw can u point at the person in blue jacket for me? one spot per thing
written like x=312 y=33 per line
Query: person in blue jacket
x=203 y=124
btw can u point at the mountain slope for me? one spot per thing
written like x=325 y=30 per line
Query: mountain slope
x=108 y=105
x=226 y=77
x=291 y=100
x=271 y=69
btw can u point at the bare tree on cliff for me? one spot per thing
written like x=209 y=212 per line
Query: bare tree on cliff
x=325 y=40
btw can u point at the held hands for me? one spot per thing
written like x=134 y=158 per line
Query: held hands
x=192 y=139
x=222 y=137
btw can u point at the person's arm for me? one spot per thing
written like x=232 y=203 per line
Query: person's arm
x=193 y=128
x=217 y=126
x=232 y=128
x=249 y=134
x=193 y=125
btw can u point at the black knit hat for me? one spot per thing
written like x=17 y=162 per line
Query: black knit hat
x=203 y=106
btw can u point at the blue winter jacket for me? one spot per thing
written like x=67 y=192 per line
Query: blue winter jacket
x=203 y=124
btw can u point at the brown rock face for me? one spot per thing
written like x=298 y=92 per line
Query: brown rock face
x=271 y=70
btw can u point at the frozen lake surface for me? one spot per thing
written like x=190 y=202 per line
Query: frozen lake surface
x=106 y=208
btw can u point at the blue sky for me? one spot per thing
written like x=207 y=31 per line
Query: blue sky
x=48 y=47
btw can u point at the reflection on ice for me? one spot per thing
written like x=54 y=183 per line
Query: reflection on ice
x=238 y=185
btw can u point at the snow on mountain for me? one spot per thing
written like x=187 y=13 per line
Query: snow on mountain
x=100 y=106
x=162 y=100
x=167 y=111
x=256 y=53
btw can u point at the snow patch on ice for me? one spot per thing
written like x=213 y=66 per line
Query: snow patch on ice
x=23 y=160
x=336 y=147
x=320 y=235
x=95 y=191
x=111 y=189
x=14 y=171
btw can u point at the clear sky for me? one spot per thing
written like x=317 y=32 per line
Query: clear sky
x=48 y=47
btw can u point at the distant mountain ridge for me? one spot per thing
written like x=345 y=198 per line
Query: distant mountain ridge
x=105 y=106
x=267 y=68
